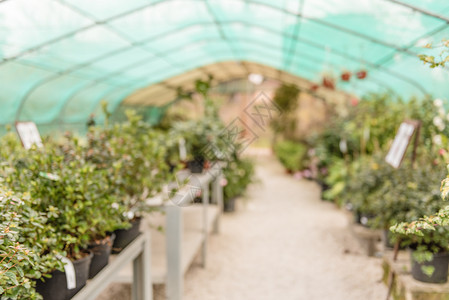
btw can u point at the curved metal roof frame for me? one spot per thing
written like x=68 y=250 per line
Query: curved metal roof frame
x=127 y=92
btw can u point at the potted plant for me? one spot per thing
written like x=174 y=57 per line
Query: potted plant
x=239 y=174
x=429 y=249
x=204 y=139
x=20 y=264
x=133 y=157
x=76 y=198
x=291 y=154
x=345 y=75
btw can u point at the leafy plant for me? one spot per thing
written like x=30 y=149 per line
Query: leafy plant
x=291 y=154
x=239 y=174
x=286 y=97
x=19 y=259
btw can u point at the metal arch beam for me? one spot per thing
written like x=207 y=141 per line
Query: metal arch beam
x=118 y=33
x=72 y=33
x=311 y=70
x=102 y=79
x=249 y=1
x=312 y=43
x=420 y=10
x=85 y=64
x=130 y=90
x=388 y=57
x=175 y=49
x=296 y=32
x=222 y=33
x=139 y=64
x=316 y=45
x=124 y=14
x=334 y=26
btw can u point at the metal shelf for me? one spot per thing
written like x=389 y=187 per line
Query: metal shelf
x=139 y=253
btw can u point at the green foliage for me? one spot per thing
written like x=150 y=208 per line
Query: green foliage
x=441 y=59
x=239 y=174
x=286 y=97
x=19 y=260
x=291 y=154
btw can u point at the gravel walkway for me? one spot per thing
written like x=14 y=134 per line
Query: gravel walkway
x=284 y=243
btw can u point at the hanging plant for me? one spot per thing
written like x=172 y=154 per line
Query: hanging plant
x=345 y=76
x=328 y=82
x=361 y=74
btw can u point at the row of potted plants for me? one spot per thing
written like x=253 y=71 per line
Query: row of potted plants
x=347 y=158
x=74 y=200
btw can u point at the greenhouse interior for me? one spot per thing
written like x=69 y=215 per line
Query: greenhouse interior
x=224 y=149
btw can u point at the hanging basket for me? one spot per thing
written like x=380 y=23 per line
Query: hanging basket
x=346 y=76
x=361 y=74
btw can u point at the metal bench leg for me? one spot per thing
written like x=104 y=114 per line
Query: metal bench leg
x=142 y=288
x=174 y=285
x=205 y=223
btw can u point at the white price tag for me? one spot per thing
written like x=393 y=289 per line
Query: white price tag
x=343 y=146
x=69 y=270
x=182 y=149
x=29 y=135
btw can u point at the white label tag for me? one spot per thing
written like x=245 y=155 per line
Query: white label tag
x=69 y=270
x=343 y=146
x=182 y=149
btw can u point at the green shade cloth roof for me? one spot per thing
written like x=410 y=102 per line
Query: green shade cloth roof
x=60 y=58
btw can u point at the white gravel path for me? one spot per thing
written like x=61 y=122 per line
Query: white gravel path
x=284 y=243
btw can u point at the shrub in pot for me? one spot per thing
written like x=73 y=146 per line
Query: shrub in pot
x=20 y=263
x=239 y=174
x=429 y=249
x=406 y=195
x=205 y=139
x=76 y=199
x=291 y=154
x=134 y=159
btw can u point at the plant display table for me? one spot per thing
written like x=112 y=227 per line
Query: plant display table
x=367 y=238
x=404 y=287
x=139 y=253
x=184 y=233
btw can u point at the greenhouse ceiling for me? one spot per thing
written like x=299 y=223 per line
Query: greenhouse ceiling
x=59 y=59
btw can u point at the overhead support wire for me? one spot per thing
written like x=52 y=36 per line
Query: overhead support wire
x=428 y=34
x=222 y=33
x=297 y=29
x=74 y=32
x=77 y=67
x=421 y=10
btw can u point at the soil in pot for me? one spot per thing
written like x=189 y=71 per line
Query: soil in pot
x=440 y=264
x=123 y=237
x=101 y=251
x=229 y=205
x=55 y=288
x=196 y=166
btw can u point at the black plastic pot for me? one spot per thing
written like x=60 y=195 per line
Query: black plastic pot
x=229 y=205
x=55 y=288
x=440 y=262
x=196 y=166
x=123 y=237
x=101 y=252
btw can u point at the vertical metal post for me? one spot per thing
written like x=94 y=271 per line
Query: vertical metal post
x=175 y=279
x=205 y=188
x=142 y=287
x=217 y=197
